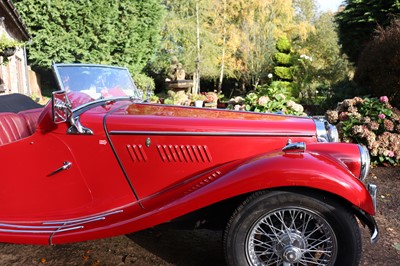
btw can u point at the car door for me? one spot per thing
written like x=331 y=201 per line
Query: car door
x=41 y=181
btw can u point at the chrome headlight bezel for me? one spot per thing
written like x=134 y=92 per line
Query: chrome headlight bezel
x=333 y=133
x=365 y=161
x=325 y=132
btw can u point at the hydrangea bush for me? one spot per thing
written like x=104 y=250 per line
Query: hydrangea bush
x=372 y=122
x=268 y=99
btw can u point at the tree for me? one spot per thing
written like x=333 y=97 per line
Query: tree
x=122 y=32
x=283 y=59
x=379 y=65
x=319 y=64
x=238 y=37
x=179 y=38
x=358 y=21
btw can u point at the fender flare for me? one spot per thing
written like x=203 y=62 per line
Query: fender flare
x=308 y=170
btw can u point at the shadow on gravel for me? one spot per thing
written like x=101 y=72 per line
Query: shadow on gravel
x=182 y=247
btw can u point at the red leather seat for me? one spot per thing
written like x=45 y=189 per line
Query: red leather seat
x=32 y=118
x=12 y=127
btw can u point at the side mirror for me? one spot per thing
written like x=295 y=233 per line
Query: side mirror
x=61 y=107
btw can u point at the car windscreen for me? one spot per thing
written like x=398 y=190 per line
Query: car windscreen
x=95 y=81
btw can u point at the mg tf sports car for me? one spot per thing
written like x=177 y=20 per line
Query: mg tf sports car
x=98 y=161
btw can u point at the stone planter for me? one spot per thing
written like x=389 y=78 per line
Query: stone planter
x=210 y=105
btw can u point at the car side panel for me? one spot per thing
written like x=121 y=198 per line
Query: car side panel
x=169 y=161
x=232 y=179
x=159 y=151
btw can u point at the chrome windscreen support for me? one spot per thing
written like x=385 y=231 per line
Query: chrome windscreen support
x=77 y=128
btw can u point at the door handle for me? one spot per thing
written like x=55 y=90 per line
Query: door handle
x=65 y=166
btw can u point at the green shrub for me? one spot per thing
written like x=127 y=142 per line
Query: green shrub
x=283 y=45
x=272 y=99
x=283 y=73
x=144 y=83
x=283 y=59
x=372 y=122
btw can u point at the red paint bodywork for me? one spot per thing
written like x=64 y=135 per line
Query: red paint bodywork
x=147 y=164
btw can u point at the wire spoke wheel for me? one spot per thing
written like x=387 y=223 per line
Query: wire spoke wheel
x=291 y=236
x=284 y=228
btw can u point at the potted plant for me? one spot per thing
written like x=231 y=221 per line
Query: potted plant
x=8 y=46
x=211 y=99
x=198 y=99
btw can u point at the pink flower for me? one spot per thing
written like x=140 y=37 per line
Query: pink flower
x=382 y=116
x=384 y=99
x=390 y=154
x=239 y=107
x=343 y=116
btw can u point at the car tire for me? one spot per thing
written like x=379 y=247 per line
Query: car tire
x=287 y=228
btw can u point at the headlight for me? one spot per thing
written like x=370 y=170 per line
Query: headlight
x=325 y=131
x=365 y=161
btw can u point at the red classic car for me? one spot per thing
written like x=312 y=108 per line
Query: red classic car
x=97 y=161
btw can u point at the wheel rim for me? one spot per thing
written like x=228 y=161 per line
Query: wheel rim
x=291 y=237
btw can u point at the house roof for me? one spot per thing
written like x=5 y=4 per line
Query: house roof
x=10 y=15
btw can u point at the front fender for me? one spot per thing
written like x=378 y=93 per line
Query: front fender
x=309 y=170
x=273 y=170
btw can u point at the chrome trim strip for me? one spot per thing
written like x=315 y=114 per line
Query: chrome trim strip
x=40 y=231
x=27 y=226
x=53 y=227
x=84 y=219
x=192 y=133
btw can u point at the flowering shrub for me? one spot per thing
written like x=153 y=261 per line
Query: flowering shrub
x=269 y=99
x=372 y=122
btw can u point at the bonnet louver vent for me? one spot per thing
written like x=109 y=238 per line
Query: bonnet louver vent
x=184 y=153
x=137 y=153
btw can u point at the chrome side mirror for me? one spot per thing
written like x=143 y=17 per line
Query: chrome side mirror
x=61 y=107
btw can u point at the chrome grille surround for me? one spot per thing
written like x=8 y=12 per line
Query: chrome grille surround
x=325 y=132
x=365 y=161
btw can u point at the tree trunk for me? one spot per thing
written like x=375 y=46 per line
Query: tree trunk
x=221 y=76
x=197 y=81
